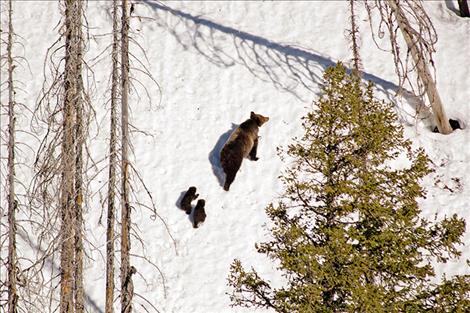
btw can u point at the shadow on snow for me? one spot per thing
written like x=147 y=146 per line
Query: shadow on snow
x=290 y=68
x=214 y=155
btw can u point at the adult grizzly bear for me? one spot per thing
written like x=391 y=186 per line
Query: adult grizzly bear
x=243 y=142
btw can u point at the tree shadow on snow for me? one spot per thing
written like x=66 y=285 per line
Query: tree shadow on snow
x=214 y=155
x=51 y=265
x=291 y=68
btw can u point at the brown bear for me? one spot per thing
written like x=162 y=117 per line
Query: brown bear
x=188 y=197
x=199 y=215
x=243 y=142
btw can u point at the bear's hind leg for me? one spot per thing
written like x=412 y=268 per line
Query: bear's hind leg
x=229 y=180
x=231 y=172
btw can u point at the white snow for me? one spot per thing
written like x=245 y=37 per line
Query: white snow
x=216 y=61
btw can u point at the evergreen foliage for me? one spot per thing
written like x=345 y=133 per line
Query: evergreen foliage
x=347 y=234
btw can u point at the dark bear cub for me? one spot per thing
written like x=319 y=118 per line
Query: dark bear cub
x=188 y=197
x=455 y=124
x=199 y=215
x=243 y=143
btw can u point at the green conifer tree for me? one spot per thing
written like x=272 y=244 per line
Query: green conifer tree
x=347 y=234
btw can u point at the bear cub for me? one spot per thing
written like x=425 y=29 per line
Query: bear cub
x=188 y=197
x=242 y=143
x=454 y=124
x=199 y=215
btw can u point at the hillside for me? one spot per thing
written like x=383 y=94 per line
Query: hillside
x=214 y=62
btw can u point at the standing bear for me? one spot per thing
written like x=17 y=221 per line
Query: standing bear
x=243 y=142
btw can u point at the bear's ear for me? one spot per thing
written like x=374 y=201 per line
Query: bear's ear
x=252 y=115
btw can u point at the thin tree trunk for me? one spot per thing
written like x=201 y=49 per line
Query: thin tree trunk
x=463 y=8
x=423 y=71
x=68 y=165
x=12 y=206
x=354 y=40
x=112 y=169
x=126 y=273
x=79 y=296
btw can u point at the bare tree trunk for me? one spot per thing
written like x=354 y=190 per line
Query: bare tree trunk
x=112 y=169
x=355 y=41
x=423 y=71
x=67 y=252
x=12 y=204
x=463 y=8
x=79 y=296
x=126 y=273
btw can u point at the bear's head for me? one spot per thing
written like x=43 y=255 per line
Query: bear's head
x=258 y=118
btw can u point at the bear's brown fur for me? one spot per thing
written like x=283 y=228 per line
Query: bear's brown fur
x=243 y=142
x=188 y=197
x=199 y=215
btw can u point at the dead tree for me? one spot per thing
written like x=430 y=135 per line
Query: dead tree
x=121 y=84
x=72 y=300
x=12 y=204
x=420 y=37
x=79 y=296
x=126 y=279
x=57 y=192
x=110 y=238
x=19 y=287
x=354 y=37
x=68 y=165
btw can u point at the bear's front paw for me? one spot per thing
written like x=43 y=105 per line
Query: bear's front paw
x=255 y=159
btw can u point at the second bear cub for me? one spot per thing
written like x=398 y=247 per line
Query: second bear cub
x=199 y=215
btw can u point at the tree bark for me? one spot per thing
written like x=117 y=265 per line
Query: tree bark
x=79 y=296
x=110 y=238
x=126 y=273
x=422 y=69
x=12 y=204
x=354 y=41
x=67 y=196
x=463 y=8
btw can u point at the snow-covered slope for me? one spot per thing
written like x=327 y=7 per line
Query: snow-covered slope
x=216 y=61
